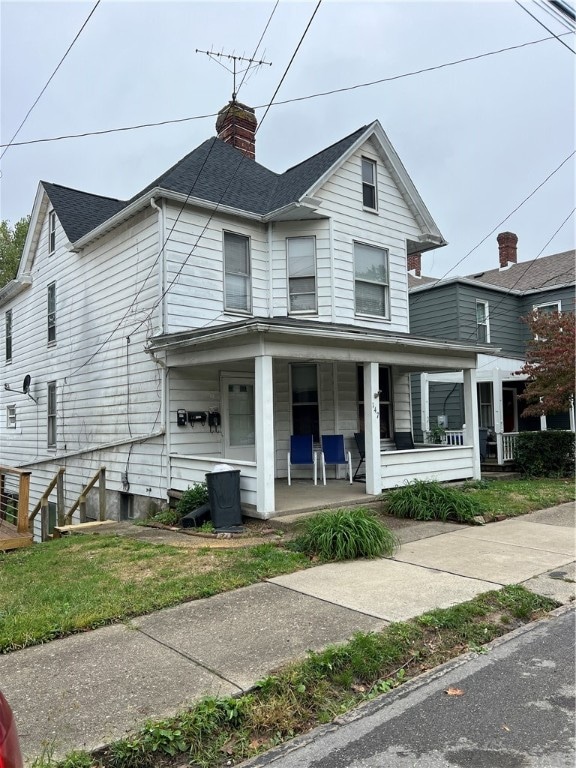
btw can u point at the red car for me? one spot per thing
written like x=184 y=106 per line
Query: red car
x=10 y=755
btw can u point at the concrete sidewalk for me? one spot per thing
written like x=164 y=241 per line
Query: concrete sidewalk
x=84 y=691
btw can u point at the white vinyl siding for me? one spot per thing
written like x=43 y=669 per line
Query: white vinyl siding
x=301 y=255
x=10 y=417
x=369 y=182
x=237 y=273
x=482 y=322
x=371 y=280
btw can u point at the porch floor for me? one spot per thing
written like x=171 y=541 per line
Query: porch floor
x=304 y=496
x=11 y=539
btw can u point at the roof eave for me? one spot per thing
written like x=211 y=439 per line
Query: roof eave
x=14 y=288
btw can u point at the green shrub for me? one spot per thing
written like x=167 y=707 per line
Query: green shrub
x=429 y=500
x=166 y=517
x=545 y=454
x=192 y=498
x=346 y=535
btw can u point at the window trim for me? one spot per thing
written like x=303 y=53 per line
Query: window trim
x=386 y=285
x=486 y=323
x=291 y=311
x=557 y=304
x=8 y=335
x=366 y=184
x=248 y=276
x=485 y=404
x=51 y=313
x=51 y=232
x=51 y=415
x=11 y=419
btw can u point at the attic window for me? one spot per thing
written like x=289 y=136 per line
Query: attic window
x=369 y=196
x=51 y=232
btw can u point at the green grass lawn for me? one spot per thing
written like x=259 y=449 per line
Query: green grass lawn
x=82 y=582
x=517 y=497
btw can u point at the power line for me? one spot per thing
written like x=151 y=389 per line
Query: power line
x=553 y=13
x=504 y=220
x=27 y=115
x=258 y=44
x=320 y=94
x=544 y=25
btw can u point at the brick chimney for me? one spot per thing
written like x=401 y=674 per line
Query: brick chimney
x=236 y=125
x=507 y=242
x=414 y=263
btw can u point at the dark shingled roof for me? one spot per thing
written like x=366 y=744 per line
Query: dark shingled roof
x=80 y=212
x=216 y=172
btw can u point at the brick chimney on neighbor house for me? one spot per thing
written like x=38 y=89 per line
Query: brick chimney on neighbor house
x=414 y=263
x=236 y=125
x=507 y=242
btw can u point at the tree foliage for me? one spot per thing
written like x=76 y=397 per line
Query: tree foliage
x=12 y=241
x=550 y=363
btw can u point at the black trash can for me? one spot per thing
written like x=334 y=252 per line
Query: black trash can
x=224 y=499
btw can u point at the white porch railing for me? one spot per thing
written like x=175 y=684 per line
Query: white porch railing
x=442 y=463
x=506 y=446
x=454 y=437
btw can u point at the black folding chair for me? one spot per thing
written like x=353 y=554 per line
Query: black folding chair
x=404 y=441
x=360 y=444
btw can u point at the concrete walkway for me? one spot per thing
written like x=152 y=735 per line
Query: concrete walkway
x=84 y=691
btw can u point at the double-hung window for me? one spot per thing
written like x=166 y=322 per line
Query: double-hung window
x=237 y=293
x=301 y=273
x=369 y=190
x=482 y=322
x=51 y=414
x=371 y=280
x=8 y=336
x=51 y=232
x=10 y=417
x=52 y=313
x=305 y=411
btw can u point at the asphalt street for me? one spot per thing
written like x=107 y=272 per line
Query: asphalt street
x=514 y=709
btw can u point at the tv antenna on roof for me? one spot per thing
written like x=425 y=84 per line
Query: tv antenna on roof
x=237 y=61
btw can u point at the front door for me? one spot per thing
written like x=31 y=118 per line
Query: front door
x=509 y=409
x=238 y=424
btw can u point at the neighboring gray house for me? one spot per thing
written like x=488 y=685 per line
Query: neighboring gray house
x=220 y=310
x=487 y=308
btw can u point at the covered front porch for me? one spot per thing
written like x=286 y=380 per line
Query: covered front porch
x=236 y=393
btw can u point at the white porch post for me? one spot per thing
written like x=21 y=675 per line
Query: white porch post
x=498 y=409
x=571 y=415
x=372 y=429
x=424 y=405
x=471 y=436
x=264 y=423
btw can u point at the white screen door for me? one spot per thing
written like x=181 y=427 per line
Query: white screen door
x=239 y=425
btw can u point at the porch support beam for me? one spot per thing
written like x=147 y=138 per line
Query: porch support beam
x=372 y=429
x=471 y=434
x=497 y=396
x=264 y=424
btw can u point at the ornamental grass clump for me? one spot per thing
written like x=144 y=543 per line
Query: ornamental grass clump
x=429 y=500
x=346 y=535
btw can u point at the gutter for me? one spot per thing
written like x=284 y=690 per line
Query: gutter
x=14 y=288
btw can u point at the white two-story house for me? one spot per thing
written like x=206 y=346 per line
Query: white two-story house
x=220 y=310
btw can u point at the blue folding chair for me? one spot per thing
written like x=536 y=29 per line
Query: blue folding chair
x=333 y=452
x=302 y=453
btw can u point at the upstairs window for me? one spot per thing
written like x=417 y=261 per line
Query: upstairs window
x=371 y=280
x=52 y=313
x=51 y=414
x=237 y=293
x=51 y=232
x=482 y=322
x=547 y=309
x=302 y=273
x=369 y=194
x=305 y=411
x=8 y=336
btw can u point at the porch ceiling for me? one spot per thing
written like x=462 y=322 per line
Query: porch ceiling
x=293 y=338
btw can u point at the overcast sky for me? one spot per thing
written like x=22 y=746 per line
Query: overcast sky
x=476 y=138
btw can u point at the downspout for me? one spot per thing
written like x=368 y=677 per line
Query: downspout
x=164 y=389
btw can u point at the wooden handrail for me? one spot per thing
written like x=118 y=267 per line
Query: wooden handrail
x=47 y=492
x=23 y=476
x=81 y=500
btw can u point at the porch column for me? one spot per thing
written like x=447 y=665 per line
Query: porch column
x=571 y=415
x=424 y=405
x=471 y=436
x=372 y=429
x=498 y=409
x=264 y=424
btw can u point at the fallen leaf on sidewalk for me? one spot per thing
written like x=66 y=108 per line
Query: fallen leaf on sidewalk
x=454 y=691
x=505 y=728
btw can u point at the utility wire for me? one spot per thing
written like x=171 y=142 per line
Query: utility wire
x=320 y=94
x=544 y=25
x=166 y=290
x=553 y=13
x=258 y=45
x=504 y=220
x=27 y=115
